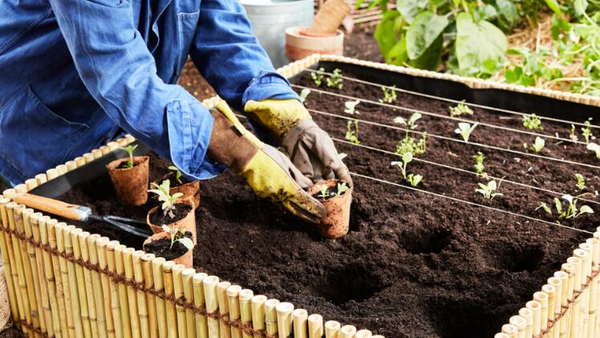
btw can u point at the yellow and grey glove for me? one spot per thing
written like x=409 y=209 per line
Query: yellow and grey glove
x=309 y=147
x=268 y=172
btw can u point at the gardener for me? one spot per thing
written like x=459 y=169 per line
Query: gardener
x=74 y=73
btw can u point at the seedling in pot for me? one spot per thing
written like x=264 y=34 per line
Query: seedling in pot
x=178 y=236
x=595 y=148
x=532 y=121
x=460 y=110
x=351 y=107
x=587 y=131
x=479 y=167
x=129 y=149
x=489 y=190
x=178 y=174
x=389 y=94
x=325 y=192
x=164 y=195
x=318 y=76
x=336 y=81
x=538 y=145
x=580 y=182
x=465 y=129
x=352 y=132
x=304 y=94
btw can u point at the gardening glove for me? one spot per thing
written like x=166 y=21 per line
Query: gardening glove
x=309 y=147
x=268 y=172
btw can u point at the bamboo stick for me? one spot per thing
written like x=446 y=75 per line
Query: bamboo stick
x=87 y=286
x=212 y=305
x=88 y=157
x=498 y=335
x=80 y=161
x=41 y=178
x=115 y=299
x=161 y=311
x=96 y=285
x=510 y=330
x=594 y=289
x=527 y=314
x=332 y=329
x=347 y=331
x=565 y=326
x=31 y=184
x=167 y=269
x=40 y=230
x=224 y=331
x=284 y=319
x=542 y=298
x=551 y=292
x=271 y=316
x=380 y=336
x=129 y=138
x=101 y=249
x=563 y=277
x=35 y=271
x=66 y=320
x=138 y=276
x=233 y=303
x=188 y=292
x=81 y=283
x=520 y=323
x=32 y=229
x=300 y=323
x=97 y=153
x=199 y=302
x=51 y=174
x=315 y=326
x=258 y=313
x=536 y=325
x=20 y=188
x=148 y=279
x=131 y=293
x=71 y=165
x=246 y=310
x=178 y=292
x=583 y=299
x=363 y=334
x=105 y=150
x=71 y=281
x=9 y=193
x=557 y=284
x=62 y=169
x=123 y=294
x=8 y=261
x=112 y=145
x=575 y=307
x=18 y=272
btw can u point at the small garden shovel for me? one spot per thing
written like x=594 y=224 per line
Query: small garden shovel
x=81 y=213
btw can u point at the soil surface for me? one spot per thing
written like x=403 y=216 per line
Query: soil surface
x=163 y=248
x=414 y=264
x=179 y=212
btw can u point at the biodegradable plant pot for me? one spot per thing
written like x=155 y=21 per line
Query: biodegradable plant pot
x=336 y=223
x=160 y=245
x=185 y=218
x=300 y=44
x=189 y=190
x=131 y=184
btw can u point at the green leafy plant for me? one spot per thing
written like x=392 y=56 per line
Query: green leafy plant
x=389 y=94
x=178 y=236
x=489 y=190
x=177 y=172
x=351 y=107
x=570 y=210
x=335 y=80
x=532 y=121
x=304 y=93
x=538 y=145
x=595 y=148
x=479 y=166
x=409 y=144
x=318 y=76
x=531 y=67
x=580 y=182
x=352 y=132
x=130 y=149
x=323 y=192
x=341 y=188
x=587 y=130
x=164 y=195
x=460 y=109
x=412 y=179
x=465 y=129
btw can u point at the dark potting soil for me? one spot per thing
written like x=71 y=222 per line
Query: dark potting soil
x=11 y=332
x=162 y=248
x=124 y=165
x=180 y=211
x=413 y=265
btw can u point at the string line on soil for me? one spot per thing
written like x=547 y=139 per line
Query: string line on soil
x=507 y=111
x=445 y=138
x=416 y=159
x=493 y=126
x=533 y=219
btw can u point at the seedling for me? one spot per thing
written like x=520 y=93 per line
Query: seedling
x=323 y=192
x=587 y=131
x=545 y=207
x=389 y=94
x=352 y=132
x=489 y=190
x=595 y=148
x=479 y=167
x=460 y=110
x=130 y=149
x=571 y=210
x=414 y=179
x=304 y=94
x=412 y=121
x=341 y=187
x=164 y=195
x=178 y=174
x=538 y=145
x=178 y=235
x=318 y=76
x=351 y=107
x=572 y=134
x=336 y=81
x=580 y=182
x=465 y=129
x=532 y=121
x=408 y=144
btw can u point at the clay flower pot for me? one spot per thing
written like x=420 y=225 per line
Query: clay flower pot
x=131 y=184
x=336 y=223
x=188 y=222
x=189 y=189
x=159 y=243
x=299 y=43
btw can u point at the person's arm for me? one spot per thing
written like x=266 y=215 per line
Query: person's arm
x=120 y=73
x=230 y=58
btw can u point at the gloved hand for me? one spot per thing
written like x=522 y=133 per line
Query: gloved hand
x=269 y=172
x=309 y=147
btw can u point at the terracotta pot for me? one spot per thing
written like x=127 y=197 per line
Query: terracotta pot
x=300 y=44
x=189 y=190
x=188 y=223
x=187 y=259
x=336 y=223
x=131 y=184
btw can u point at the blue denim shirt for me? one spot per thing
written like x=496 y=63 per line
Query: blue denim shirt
x=72 y=72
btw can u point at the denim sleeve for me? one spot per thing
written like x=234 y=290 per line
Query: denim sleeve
x=229 y=56
x=120 y=73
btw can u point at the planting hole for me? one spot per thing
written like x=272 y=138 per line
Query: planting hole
x=515 y=258
x=462 y=318
x=353 y=282
x=425 y=241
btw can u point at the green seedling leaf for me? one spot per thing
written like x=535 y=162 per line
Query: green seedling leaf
x=351 y=107
x=532 y=121
x=580 y=182
x=595 y=148
x=460 y=110
x=414 y=179
x=545 y=207
x=186 y=242
x=538 y=145
x=465 y=129
x=509 y=11
x=341 y=188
